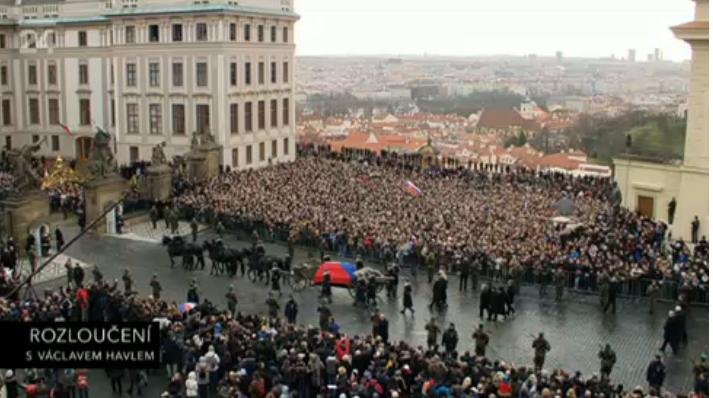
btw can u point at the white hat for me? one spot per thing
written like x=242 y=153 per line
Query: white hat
x=678 y=308
x=9 y=374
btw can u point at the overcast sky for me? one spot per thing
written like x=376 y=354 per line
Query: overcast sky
x=591 y=28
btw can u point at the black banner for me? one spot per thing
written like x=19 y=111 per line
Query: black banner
x=80 y=345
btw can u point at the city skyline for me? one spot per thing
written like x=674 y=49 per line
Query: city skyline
x=508 y=27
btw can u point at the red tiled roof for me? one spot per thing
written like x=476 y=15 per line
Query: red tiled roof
x=377 y=142
x=503 y=118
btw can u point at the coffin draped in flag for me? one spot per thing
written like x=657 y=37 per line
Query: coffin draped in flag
x=411 y=188
x=342 y=274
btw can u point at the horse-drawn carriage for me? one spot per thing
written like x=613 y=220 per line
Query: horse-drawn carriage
x=346 y=275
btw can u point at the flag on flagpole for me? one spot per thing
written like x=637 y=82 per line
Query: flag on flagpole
x=66 y=129
x=411 y=188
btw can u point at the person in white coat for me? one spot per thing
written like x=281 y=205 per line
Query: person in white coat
x=191 y=385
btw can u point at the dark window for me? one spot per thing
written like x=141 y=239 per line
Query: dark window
x=202 y=74
x=131 y=75
x=249 y=154
x=133 y=154
x=55 y=143
x=130 y=34
x=235 y=157
x=234 y=118
x=261 y=115
x=83 y=74
x=262 y=151
x=178 y=74
x=179 y=119
x=285 y=146
x=3 y=75
x=247 y=74
x=51 y=74
x=154 y=33
x=246 y=32
x=155 y=119
x=273 y=72
x=53 y=110
x=201 y=31
x=6 y=118
x=82 y=38
x=274 y=149
x=132 y=119
x=32 y=74
x=273 y=113
x=248 y=116
x=261 y=73
x=85 y=115
x=8 y=142
x=285 y=72
x=233 y=74
x=273 y=33
x=2 y=41
x=113 y=113
x=52 y=39
x=154 y=74
x=35 y=138
x=34 y=110
x=233 y=31
x=177 y=30
x=285 y=111
x=260 y=33
x=202 y=118
x=285 y=36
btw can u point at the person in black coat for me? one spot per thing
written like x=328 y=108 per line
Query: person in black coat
x=291 y=309
x=670 y=333
x=326 y=287
x=59 y=239
x=510 y=298
x=656 y=373
x=382 y=329
x=408 y=299
x=450 y=339
x=485 y=300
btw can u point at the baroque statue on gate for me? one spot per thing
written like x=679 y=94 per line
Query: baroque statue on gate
x=101 y=158
x=26 y=177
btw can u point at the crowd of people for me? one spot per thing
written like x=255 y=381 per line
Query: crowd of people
x=500 y=220
x=211 y=351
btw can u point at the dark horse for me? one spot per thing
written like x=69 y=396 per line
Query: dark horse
x=224 y=259
x=178 y=247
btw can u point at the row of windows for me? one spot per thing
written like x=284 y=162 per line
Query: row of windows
x=202 y=74
x=155 y=74
x=178 y=117
x=33 y=111
x=261 y=152
x=201 y=33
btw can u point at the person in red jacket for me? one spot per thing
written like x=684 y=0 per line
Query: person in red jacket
x=83 y=302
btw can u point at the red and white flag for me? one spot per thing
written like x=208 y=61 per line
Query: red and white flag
x=66 y=128
x=411 y=188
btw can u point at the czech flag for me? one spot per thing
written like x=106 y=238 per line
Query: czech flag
x=186 y=307
x=66 y=129
x=411 y=188
x=342 y=274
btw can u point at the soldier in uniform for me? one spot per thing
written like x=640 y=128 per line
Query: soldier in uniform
x=192 y=294
x=652 y=292
x=474 y=271
x=326 y=291
x=481 y=340
x=219 y=229
x=608 y=359
x=431 y=265
x=464 y=269
x=232 y=300
x=542 y=276
x=541 y=347
x=324 y=315
x=371 y=291
x=559 y=284
x=450 y=339
x=273 y=307
x=603 y=284
x=153 y=214
x=432 y=336
x=128 y=281
x=194 y=229
x=275 y=276
x=155 y=287
x=611 y=296
x=392 y=286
